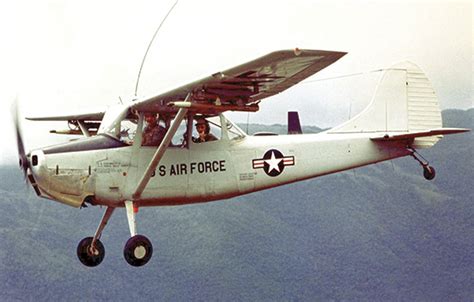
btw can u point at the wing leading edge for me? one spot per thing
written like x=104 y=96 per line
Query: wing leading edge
x=241 y=88
x=93 y=116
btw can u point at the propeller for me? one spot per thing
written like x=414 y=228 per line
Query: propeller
x=24 y=164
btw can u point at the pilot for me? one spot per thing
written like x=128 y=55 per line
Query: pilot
x=153 y=133
x=203 y=129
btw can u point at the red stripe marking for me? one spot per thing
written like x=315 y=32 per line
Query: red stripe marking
x=288 y=161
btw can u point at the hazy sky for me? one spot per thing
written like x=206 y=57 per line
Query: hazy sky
x=65 y=56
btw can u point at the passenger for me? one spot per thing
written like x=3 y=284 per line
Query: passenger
x=153 y=133
x=203 y=129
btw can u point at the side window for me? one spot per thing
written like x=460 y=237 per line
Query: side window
x=156 y=126
x=215 y=128
x=233 y=132
x=206 y=129
x=179 y=139
x=154 y=130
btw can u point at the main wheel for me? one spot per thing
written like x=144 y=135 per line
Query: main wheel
x=88 y=255
x=138 y=250
x=429 y=172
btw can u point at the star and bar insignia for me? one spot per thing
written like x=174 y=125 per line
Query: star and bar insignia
x=273 y=162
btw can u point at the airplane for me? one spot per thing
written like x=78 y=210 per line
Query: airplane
x=112 y=166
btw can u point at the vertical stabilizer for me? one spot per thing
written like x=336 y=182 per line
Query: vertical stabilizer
x=404 y=101
x=294 y=125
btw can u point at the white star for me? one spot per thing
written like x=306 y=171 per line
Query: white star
x=273 y=163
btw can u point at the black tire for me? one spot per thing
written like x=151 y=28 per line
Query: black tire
x=429 y=172
x=138 y=250
x=87 y=256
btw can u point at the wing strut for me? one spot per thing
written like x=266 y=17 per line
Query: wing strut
x=160 y=151
x=83 y=128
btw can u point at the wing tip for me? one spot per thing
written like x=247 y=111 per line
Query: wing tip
x=310 y=52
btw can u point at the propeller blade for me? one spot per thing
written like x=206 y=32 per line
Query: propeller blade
x=19 y=140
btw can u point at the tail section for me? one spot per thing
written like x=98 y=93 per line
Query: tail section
x=404 y=102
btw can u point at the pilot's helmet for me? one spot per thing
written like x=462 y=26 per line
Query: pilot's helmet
x=203 y=121
x=150 y=115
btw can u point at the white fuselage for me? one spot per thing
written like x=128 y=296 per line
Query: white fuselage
x=203 y=172
x=403 y=115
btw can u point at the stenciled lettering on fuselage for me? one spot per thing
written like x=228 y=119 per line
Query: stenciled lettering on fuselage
x=273 y=162
x=191 y=168
x=105 y=166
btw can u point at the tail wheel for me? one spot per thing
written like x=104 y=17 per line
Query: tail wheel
x=429 y=172
x=90 y=255
x=138 y=250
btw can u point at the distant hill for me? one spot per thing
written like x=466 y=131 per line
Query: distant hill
x=376 y=233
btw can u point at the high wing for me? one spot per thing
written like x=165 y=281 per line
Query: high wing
x=241 y=88
x=237 y=89
x=93 y=116
x=84 y=123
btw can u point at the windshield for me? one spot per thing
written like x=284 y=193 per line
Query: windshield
x=128 y=130
x=117 y=126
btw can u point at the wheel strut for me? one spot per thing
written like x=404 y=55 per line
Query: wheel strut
x=90 y=250
x=138 y=249
x=428 y=171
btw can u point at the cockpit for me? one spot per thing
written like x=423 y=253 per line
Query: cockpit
x=149 y=129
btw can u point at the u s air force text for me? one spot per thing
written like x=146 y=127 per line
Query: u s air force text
x=192 y=168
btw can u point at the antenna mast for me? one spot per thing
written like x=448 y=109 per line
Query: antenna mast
x=149 y=46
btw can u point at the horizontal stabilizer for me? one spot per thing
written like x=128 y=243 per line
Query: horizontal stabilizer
x=412 y=135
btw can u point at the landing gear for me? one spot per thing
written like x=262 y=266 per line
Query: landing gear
x=90 y=250
x=90 y=255
x=428 y=171
x=138 y=250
